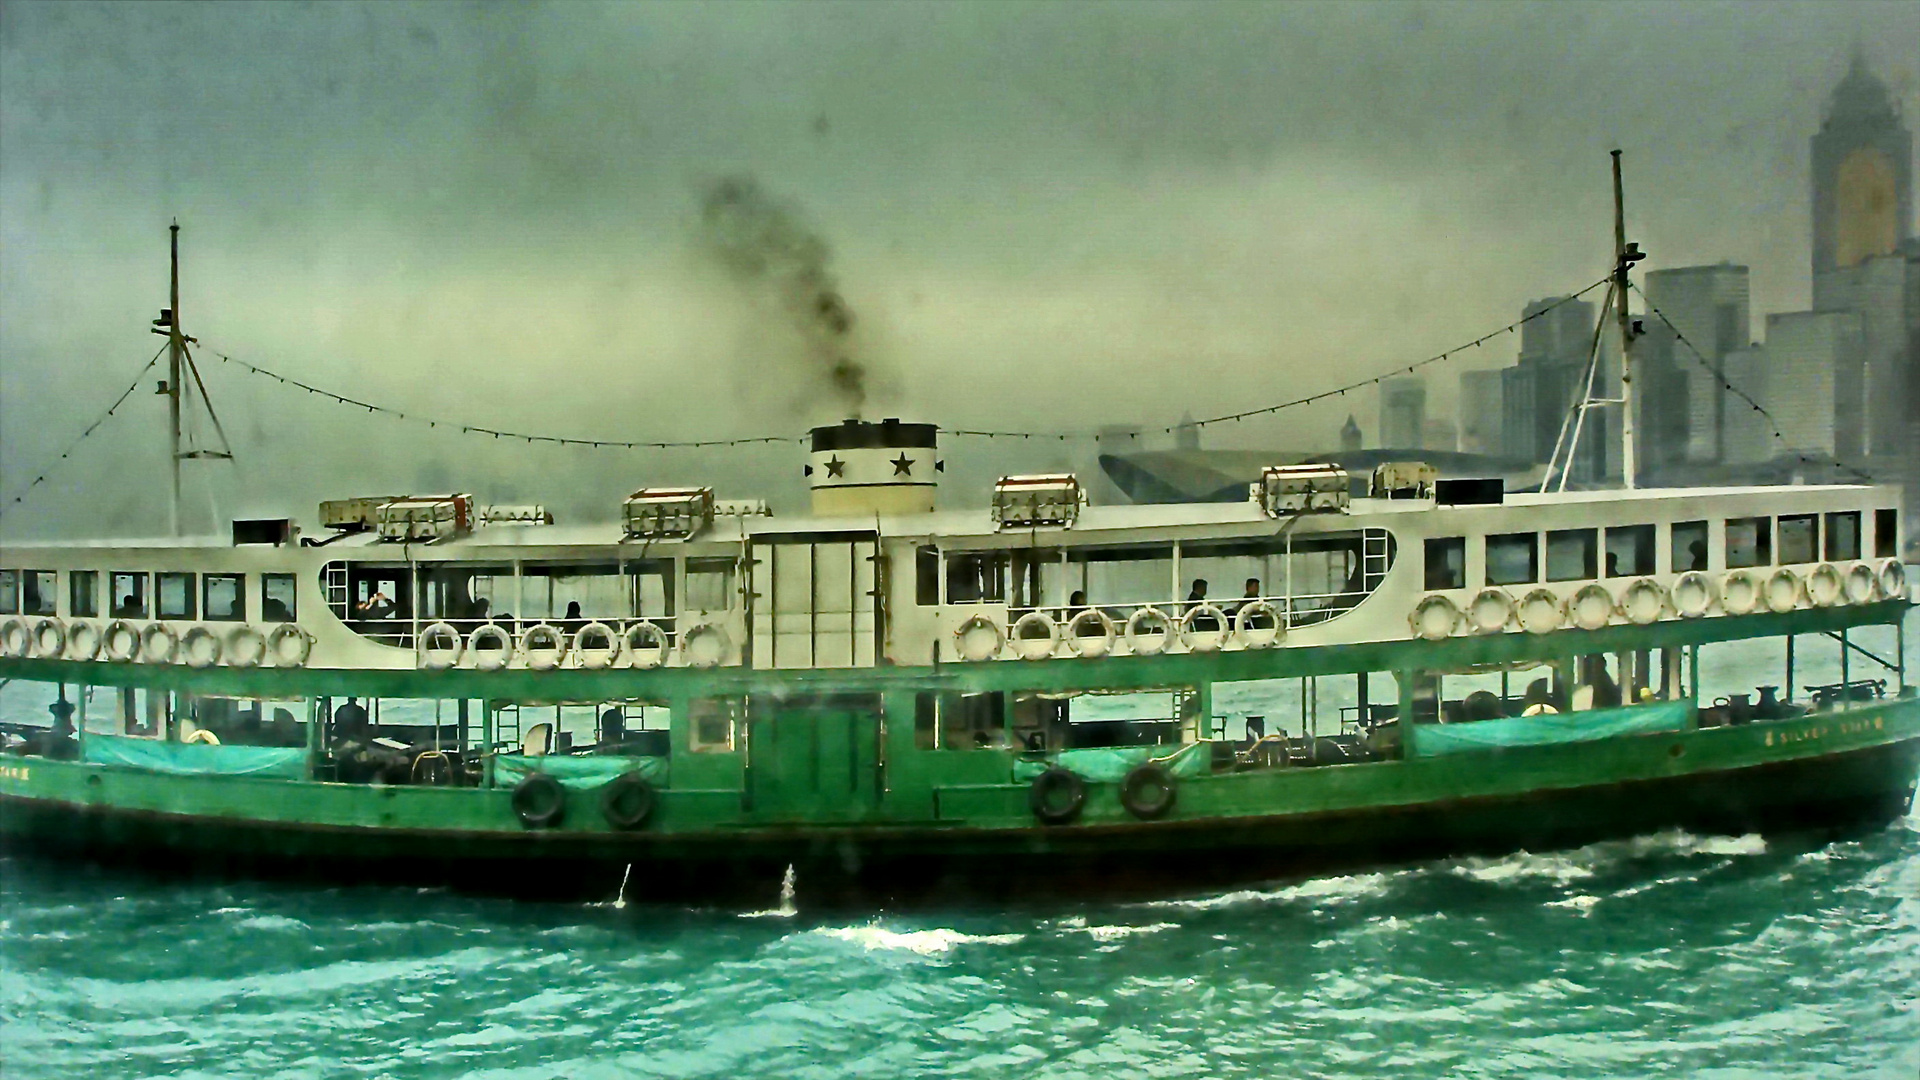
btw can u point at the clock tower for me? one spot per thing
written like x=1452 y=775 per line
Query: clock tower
x=1862 y=184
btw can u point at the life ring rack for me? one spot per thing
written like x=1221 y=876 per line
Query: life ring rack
x=647 y=645
x=121 y=641
x=246 y=646
x=200 y=647
x=289 y=645
x=1255 y=637
x=543 y=646
x=441 y=645
x=1091 y=633
x=1141 y=640
x=1035 y=648
x=49 y=638
x=490 y=647
x=83 y=640
x=976 y=629
x=158 y=643
x=594 y=658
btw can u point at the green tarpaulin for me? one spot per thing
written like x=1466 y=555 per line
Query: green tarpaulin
x=1547 y=729
x=197 y=759
x=578 y=771
x=1111 y=764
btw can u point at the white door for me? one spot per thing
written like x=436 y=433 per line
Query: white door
x=815 y=601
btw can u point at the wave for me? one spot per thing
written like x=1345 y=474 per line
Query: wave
x=932 y=942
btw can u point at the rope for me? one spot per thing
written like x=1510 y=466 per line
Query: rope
x=1721 y=378
x=90 y=429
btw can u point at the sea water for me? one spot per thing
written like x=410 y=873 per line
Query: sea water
x=1662 y=955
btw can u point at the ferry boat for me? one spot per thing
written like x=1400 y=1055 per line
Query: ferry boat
x=886 y=702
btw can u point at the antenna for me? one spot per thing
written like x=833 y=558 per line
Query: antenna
x=179 y=365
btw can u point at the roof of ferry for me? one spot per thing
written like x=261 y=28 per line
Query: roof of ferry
x=967 y=522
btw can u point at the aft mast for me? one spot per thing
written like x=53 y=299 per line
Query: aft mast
x=1624 y=256
x=180 y=364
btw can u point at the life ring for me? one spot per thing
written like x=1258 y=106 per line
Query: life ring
x=1035 y=647
x=1204 y=641
x=15 y=640
x=1825 y=587
x=83 y=640
x=1091 y=633
x=1434 y=618
x=1259 y=637
x=1148 y=791
x=539 y=801
x=1893 y=579
x=627 y=800
x=705 y=645
x=1057 y=796
x=1783 y=590
x=1740 y=592
x=246 y=647
x=49 y=638
x=978 y=638
x=121 y=641
x=1491 y=610
x=1540 y=612
x=647 y=645
x=1591 y=607
x=289 y=645
x=490 y=647
x=158 y=643
x=1148 y=631
x=1861 y=583
x=543 y=646
x=201 y=737
x=595 y=657
x=441 y=645
x=1693 y=594
x=200 y=647
x=1643 y=601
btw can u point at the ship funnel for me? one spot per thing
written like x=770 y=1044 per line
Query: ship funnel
x=860 y=468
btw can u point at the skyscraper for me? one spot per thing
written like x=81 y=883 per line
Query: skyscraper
x=1709 y=307
x=1536 y=393
x=1403 y=413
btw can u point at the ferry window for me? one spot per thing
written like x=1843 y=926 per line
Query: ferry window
x=1447 y=562
x=83 y=593
x=1843 y=535
x=1749 y=542
x=1513 y=558
x=1572 y=554
x=465 y=592
x=1689 y=546
x=973 y=721
x=129 y=593
x=709 y=584
x=1886 y=533
x=1036 y=578
x=1123 y=575
x=1799 y=538
x=380 y=593
x=976 y=577
x=173 y=596
x=9 y=592
x=38 y=592
x=572 y=592
x=277 y=600
x=713 y=724
x=926 y=576
x=1629 y=550
x=651 y=588
x=223 y=597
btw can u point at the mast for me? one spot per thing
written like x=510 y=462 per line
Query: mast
x=175 y=349
x=1624 y=256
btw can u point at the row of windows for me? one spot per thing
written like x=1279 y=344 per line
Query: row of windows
x=1629 y=550
x=137 y=594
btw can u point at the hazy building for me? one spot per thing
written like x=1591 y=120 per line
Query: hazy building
x=1748 y=437
x=1811 y=380
x=1403 y=413
x=1350 y=438
x=1439 y=434
x=1186 y=434
x=1538 y=392
x=1709 y=307
x=1110 y=439
x=1482 y=412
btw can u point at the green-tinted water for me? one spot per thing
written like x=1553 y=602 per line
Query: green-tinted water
x=1662 y=956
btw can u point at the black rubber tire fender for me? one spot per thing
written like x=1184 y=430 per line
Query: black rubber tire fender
x=1148 y=791
x=1043 y=794
x=539 y=801
x=627 y=800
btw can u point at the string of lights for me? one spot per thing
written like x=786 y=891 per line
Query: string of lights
x=979 y=433
x=1720 y=377
x=84 y=435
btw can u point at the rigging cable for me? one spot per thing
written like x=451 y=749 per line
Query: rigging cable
x=91 y=428
x=617 y=444
x=1721 y=378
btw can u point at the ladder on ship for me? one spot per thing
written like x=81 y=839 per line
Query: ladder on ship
x=1376 y=556
x=334 y=582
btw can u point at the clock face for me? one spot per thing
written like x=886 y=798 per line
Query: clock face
x=1866 y=207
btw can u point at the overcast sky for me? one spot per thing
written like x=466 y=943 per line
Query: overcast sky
x=1040 y=215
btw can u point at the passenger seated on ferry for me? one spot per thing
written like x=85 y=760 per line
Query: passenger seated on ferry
x=613 y=727
x=1195 y=598
x=1696 y=556
x=1482 y=705
x=1613 y=564
x=1247 y=596
x=377 y=606
x=127 y=608
x=1540 y=698
x=1076 y=602
x=477 y=611
x=274 y=609
x=573 y=612
x=1606 y=692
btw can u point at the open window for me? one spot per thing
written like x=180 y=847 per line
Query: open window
x=1513 y=559
x=1689 y=546
x=224 y=597
x=1446 y=562
x=976 y=577
x=173 y=595
x=1799 y=538
x=9 y=592
x=1572 y=555
x=1843 y=535
x=39 y=592
x=1629 y=550
x=278 y=602
x=1749 y=542
x=129 y=593
x=83 y=593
